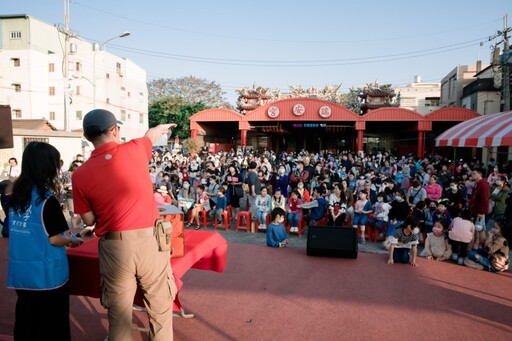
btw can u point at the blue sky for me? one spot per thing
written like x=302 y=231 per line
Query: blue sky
x=278 y=43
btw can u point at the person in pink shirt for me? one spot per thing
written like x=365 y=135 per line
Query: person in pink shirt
x=162 y=196
x=460 y=234
x=433 y=189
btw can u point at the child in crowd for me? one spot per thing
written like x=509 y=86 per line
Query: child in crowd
x=162 y=196
x=380 y=217
x=263 y=204
x=436 y=244
x=495 y=256
x=441 y=212
x=294 y=212
x=202 y=202
x=220 y=207
x=362 y=209
x=397 y=213
x=404 y=243
x=278 y=200
x=460 y=235
x=276 y=234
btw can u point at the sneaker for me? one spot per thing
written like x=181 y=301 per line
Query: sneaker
x=295 y=229
x=261 y=227
x=455 y=257
x=460 y=261
x=362 y=240
x=198 y=227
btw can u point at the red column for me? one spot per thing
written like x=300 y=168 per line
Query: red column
x=421 y=144
x=360 y=140
x=243 y=137
x=193 y=133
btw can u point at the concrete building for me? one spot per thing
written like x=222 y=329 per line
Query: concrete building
x=418 y=96
x=36 y=84
x=453 y=83
x=483 y=93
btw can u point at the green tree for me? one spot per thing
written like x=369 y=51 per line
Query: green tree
x=174 y=110
x=191 y=89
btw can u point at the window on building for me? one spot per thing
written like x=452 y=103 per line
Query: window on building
x=51 y=67
x=16 y=62
x=78 y=66
x=78 y=90
x=52 y=91
x=107 y=75
x=123 y=88
x=17 y=87
x=17 y=113
x=107 y=100
x=129 y=117
x=129 y=94
x=15 y=34
x=27 y=140
x=52 y=115
x=141 y=118
x=123 y=115
x=78 y=115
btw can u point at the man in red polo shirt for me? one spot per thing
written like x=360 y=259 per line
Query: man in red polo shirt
x=113 y=191
x=479 y=204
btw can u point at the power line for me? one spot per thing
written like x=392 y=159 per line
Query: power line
x=314 y=63
x=245 y=38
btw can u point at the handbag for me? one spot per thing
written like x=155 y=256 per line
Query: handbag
x=479 y=224
x=238 y=191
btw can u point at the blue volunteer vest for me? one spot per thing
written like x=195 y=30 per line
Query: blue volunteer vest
x=34 y=263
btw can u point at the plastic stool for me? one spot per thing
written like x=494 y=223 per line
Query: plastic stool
x=239 y=219
x=225 y=221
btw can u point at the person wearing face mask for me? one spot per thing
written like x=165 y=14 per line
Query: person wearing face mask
x=399 y=211
x=494 y=257
x=415 y=193
x=499 y=195
x=276 y=233
x=280 y=181
x=303 y=192
x=404 y=243
x=380 y=217
x=455 y=198
x=436 y=245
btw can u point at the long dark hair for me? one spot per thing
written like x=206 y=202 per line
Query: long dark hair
x=39 y=168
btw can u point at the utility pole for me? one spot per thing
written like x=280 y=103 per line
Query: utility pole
x=65 y=63
x=505 y=62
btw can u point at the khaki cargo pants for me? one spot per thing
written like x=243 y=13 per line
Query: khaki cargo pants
x=129 y=258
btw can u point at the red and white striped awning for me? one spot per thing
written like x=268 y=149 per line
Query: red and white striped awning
x=485 y=131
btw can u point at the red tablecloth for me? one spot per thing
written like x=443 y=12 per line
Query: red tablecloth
x=203 y=250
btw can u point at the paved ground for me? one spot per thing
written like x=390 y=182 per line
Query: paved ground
x=295 y=241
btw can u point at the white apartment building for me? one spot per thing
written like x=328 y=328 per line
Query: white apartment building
x=36 y=84
x=483 y=93
x=420 y=97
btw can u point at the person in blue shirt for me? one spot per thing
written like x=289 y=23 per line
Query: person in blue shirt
x=276 y=234
x=38 y=265
x=317 y=207
x=220 y=207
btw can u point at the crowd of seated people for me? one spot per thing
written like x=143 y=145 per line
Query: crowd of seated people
x=374 y=193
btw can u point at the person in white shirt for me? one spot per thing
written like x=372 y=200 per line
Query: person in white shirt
x=12 y=171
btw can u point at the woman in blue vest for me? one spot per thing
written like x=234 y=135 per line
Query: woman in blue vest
x=38 y=266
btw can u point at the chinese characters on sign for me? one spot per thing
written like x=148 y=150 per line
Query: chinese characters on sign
x=299 y=109
x=324 y=111
x=273 y=112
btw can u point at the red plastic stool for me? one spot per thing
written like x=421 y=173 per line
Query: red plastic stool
x=248 y=218
x=225 y=221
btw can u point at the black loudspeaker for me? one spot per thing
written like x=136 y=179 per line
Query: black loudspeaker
x=5 y=127
x=332 y=241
